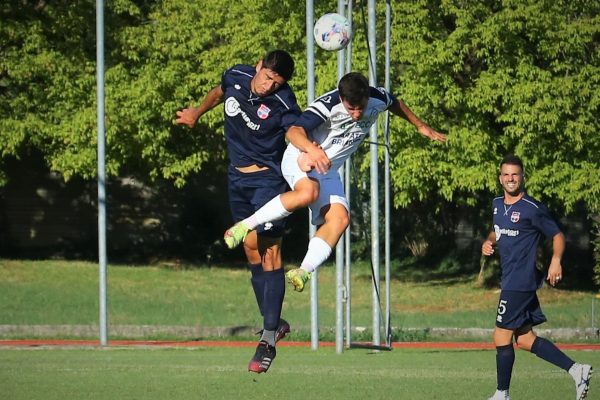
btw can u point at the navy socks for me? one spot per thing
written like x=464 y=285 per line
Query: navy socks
x=547 y=351
x=505 y=359
x=273 y=298
x=269 y=289
x=258 y=284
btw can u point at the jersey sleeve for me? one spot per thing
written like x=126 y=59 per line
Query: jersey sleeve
x=290 y=117
x=386 y=97
x=545 y=223
x=319 y=111
x=226 y=78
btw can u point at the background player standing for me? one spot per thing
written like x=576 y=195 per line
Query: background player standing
x=519 y=222
x=326 y=134
x=259 y=106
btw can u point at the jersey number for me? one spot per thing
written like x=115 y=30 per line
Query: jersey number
x=502 y=307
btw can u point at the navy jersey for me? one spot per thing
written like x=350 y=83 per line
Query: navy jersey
x=330 y=126
x=518 y=228
x=255 y=126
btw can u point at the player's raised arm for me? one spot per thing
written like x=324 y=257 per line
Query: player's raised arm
x=189 y=116
x=400 y=109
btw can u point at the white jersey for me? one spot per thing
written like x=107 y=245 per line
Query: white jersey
x=329 y=124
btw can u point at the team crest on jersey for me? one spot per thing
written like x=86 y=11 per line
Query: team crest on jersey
x=263 y=112
x=514 y=217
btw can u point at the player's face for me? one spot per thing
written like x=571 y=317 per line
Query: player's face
x=266 y=81
x=511 y=179
x=355 y=110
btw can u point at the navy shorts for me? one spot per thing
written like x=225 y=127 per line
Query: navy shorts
x=250 y=191
x=518 y=309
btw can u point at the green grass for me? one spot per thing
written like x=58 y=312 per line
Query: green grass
x=297 y=373
x=66 y=293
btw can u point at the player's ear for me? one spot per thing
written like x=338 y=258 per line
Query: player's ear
x=258 y=65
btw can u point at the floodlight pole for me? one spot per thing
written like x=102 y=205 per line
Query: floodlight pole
x=101 y=171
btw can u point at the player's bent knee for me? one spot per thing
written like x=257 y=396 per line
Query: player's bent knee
x=306 y=197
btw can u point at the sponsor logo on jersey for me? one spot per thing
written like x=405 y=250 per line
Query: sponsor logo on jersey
x=326 y=99
x=263 y=112
x=503 y=231
x=232 y=108
x=495 y=210
x=268 y=226
x=514 y=217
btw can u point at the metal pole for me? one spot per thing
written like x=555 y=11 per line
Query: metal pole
x=339 y=248
x=388 y=21
x=310 y=88
x=101 y=171
x=374 y=180
x=348 y=261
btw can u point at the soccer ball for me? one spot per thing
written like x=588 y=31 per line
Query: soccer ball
x=332 y=32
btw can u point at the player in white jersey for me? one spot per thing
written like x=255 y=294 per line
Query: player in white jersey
x=324 y=136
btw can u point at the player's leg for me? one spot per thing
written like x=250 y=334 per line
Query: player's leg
x=505 y=359
x=330 y=211
x=547 y=351
x=304 y=191
x=262 y=247
x=266 y=251
x=273 y=286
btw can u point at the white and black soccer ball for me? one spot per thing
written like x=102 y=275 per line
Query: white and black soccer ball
x=332 y=32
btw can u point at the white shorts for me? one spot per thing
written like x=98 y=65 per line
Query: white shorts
x=331 y=190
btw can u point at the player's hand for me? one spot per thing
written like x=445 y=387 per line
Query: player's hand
x=428 y=132
x=187 y=117
x=487 y=248
x=322 y=163
x=554 y=272
x=305 y=162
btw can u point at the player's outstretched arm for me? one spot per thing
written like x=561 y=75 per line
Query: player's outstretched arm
x=401 y=109
x=189 y=116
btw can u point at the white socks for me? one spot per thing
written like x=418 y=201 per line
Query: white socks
x=272 y=211
x=318 y=252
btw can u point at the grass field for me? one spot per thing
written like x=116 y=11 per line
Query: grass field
x=66 y=293
x=297 y=373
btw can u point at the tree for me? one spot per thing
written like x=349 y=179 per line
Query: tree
x=517 y=76
x=498 y=76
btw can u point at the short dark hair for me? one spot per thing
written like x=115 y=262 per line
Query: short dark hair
x=354 y=88
x=511 y=159
x=281 y=62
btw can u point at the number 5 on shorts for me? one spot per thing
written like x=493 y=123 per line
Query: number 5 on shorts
x=502 y=307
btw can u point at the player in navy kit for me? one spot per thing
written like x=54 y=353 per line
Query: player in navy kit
x=326 y=134
x=259 y=106
x=519 y=223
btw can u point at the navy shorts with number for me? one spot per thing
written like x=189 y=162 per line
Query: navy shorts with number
x=250 y=191
x=518 y=309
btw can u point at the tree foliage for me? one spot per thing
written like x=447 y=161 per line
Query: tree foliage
x=513 y=76
x=498 y=76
